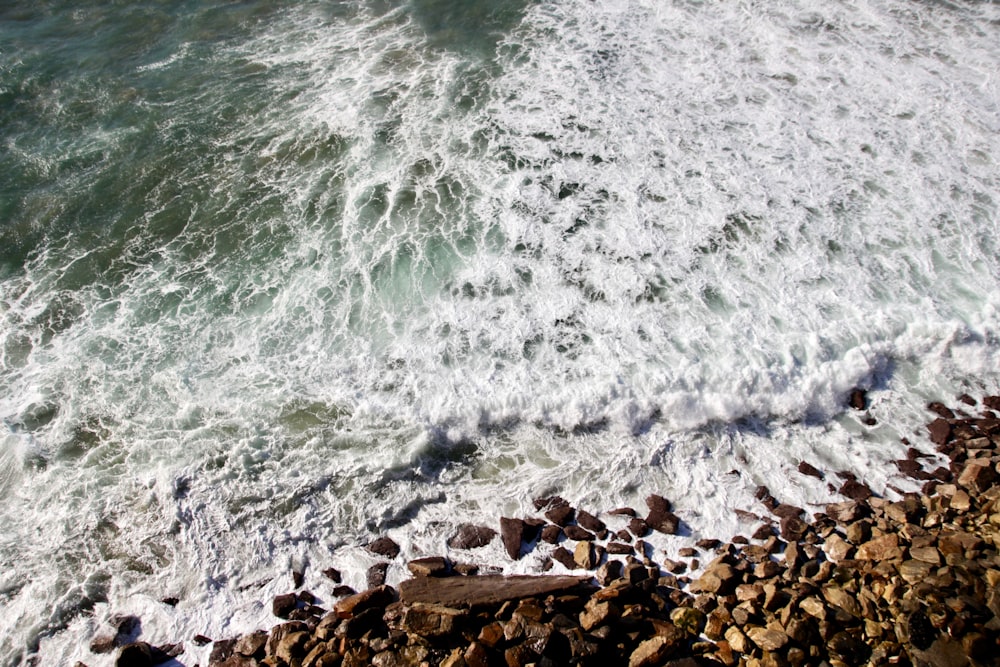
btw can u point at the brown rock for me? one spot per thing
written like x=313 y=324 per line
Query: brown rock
x=577 y=533
x=940 y=431
x=597 y=613
x=978 y=475
x=624 y=511
x=665 y=522
x=837 y=548
x=136 y=654
x=471 y=537
x=858 y=398
x=291 y=647
x=431 y=566
x=841 y=599
x=512 y=532
x=608 y=572
x=619 y=549
x=808 y=469
x=738 y=641
x=720 y=578
x=638 y=527
x=485 y=590
x=551 y=534
x=374 y=598
x=384 y=546
x=283 y=605
x=376 y=574
x=856 y=490
x=252 y=644
x=653 y=652
x=846 y=512
x=708 y=544
x=793 y=528
x=767 y=639
x=590 y=522
x=564 y=557
x=657 y=503
x=880 y=549
x=431 y=620
x=560 y=515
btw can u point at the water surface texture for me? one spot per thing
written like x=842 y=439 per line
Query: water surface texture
x=280 y=277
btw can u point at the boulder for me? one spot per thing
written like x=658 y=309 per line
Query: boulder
x=470 y=536
x=512 y=533
x=583 y=555
x=485 y=590
x=663 y=521
x=374 y=598
x=810 y=470
x=283 y=605
x=653 y=652
x=430 y=566
x=376 y=574
x=431 y=620
x=384 y=546
x=577 y=533
x=590 y=522
x=561 y=515
x=978 y=475
x=551 y=534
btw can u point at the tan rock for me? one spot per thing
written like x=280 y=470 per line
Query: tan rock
x=837 y=548
x=652 y=652
x=738 y=641
x=813 y=606
x=583 y=555
x=880 y=549
x=960 y=501
x=596 y=613
x=841 y=599
x=914 y=571
x=926 y=554
x=719 y=578
x=378 y=597
x=767 y=639
x=978 y=475
x=431 y=620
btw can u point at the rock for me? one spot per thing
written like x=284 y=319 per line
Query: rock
x=638 y=527
x=512 y=533
x=619 y=549
x=342 y=591
x=837 y=548
x=810 y=470
x=856 y=490
x=333 y=575
x=657 y=503
x=914 y=571
x=688 y=619
x=720 y=578
x=846 y=512
x=597 y=613
x=560 y=515
x=251 y=645
x=793 y=528
x=978 y=475
x=484 y=590
x=283 y=605
x=590 y=522
x=564 y=557
x=653 y=652
x=374 y=598
x=136 y=654
x=384 y=546
x=291 y=647
x=738 y=641
x=577 y=533
x=376 y=574
x=767 y=639
x=431 y=566
x=608 y=572
x=858 y=398
x=880 y=549
x=431 y=620
x=470 y=536
x=663 y=521
x=551 y=534
x=624 y=511
x=201 y=640
x=940 y=431
x=583 y=555
x=841 y=599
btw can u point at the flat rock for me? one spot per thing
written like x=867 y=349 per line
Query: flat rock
x=653 y=652
x=512 y=533
x=431 y=566
x=577 y=533
x=881 y=548
x=373 y=598
x=590 y=522
x=663 y=521
x=460 y=592
x=561 y=515
x=470 y=536
x=384 y=546
x=808 y=469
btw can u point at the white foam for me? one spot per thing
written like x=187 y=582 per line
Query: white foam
x=652 y=245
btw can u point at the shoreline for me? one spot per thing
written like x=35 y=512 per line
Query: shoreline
x=867 y=581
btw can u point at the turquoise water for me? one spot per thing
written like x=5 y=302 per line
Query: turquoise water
x=278 y=277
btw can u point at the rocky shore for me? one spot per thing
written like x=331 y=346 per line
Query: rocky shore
x=868 y=581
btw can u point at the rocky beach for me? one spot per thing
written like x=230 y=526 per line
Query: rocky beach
x=881 y=578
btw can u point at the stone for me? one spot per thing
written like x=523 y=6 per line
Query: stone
x=978 y=475
x=793 y=528
x=619 y=549
x=846 y=512
x=919 y=631
x=561 y=515
x=858 y=398
x=590 y=522
x=856 y=490
x=136 y=654
x=638 y=527
x=374 y=598
x=431 y=566
x=926 y=554
x=837 y=548
x=767 y=639
x=841 y=599
x=431 y=620
x=577 y=533
x=940 y=431
x=880 y=549
x=652 y=652
x=551 y=534
x=470 y=536
x=914 y=571
x=608 y=572
x=384 y=546
x=737 y=640
x=252 y=644
x=810 y=470
x=665 y=522
x=376 y=574
x=512 y=533
x=564 y=557
x=291 y=647
x=688 y=619
x=720 y=578
x=597 y=613
x=486 y=590
x=657 y=503
x=283 y=605
x=583 y=555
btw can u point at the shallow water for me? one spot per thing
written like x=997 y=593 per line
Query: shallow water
x=277 y=278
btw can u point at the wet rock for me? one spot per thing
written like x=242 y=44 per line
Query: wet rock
x=251 y=645
x=793 y=528
x=470 y=536
x=384 y=546
x=333 y=574
x=624 y=511
x=858 y=398
x=551 y=534
x=577 y=533
x=376 y=574
x=810 y=470
x=597 y=613
x=430 y=566
x=590 y=522
x=374 y=598
x=561 y=515
x=564 y=557
x=619 y=549
x=638 y=527
x=856 y=490
x=608 y=572
x=512 y=533
x=283 y=605
x=136 y=654
x=432 y=620
x=978 y=475
x=940 y=431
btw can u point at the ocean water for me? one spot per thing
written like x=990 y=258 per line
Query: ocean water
x=277 y=278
